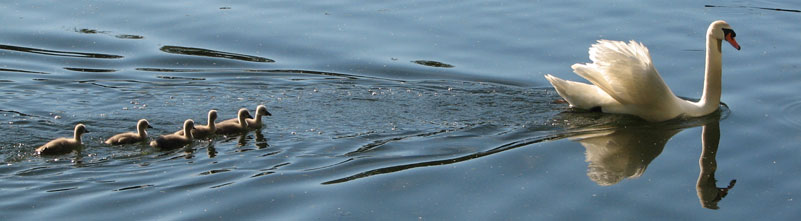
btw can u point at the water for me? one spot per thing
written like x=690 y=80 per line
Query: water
x=391 y=110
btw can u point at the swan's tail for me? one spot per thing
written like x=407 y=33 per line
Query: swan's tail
x=580 y=95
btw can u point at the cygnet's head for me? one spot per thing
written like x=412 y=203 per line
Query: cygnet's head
x=80 y=129
x=212 y=115
x=262 y=110
x=189 y=123
x=142 y=124
x=244 y=113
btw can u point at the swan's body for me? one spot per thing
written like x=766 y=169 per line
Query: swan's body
x=624 y=81
x=204 y=131
x=131 y=137
x=238 y=126
x=254 y=123
x=63 y=145
x=172 y=141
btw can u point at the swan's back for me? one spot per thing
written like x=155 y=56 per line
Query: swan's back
x=624 y=81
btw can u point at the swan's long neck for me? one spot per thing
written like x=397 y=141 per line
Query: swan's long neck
x=710 y=100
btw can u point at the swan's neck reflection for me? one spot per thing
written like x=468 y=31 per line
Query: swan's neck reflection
x=708 y=192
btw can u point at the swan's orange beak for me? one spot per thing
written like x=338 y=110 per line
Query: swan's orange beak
x=730 y=39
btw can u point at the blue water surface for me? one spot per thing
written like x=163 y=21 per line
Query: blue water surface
x=391 y=110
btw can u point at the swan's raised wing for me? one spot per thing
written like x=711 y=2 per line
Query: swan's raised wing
x=625 y=72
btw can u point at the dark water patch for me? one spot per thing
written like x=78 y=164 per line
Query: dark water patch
x=210 y=172
x=753 y=7
x=170 y=70
x=220 y=72
x=22 y=71
x=181 y=78
x=59 y=53
x=212 y=53
x=221 y=185
x=270 y=153
x=243 y=150
x=310 y=72
x=17 y=113
x=62 y=189
x=270 y=170
x=95 y=31
x=89 y=31
x=134 y=187
x=262 y=174
x=40 y=170
x=90 y=70
x=435 y=64
x=128 y=36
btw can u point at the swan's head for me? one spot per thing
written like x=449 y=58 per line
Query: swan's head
x=212 y=115
x=80 y=129
x=722 y=31
x=143 y=124
x=261 y=110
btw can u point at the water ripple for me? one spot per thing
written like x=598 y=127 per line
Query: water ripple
x=791 y=114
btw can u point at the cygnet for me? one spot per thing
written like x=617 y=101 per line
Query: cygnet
x=63 y=145
x=238 y=126
x=172 y=141
x=204 y=131
x=131 y=137
x=254 y=123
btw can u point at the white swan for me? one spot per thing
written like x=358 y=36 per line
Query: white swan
x=254 y=123
x=172 y=141
x=131 y=137
x=624 y=81
x=204 y=131
x=238 y=126
x=63 y=145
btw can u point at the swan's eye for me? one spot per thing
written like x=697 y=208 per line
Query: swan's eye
x=727 y=31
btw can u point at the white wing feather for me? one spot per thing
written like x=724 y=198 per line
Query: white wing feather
x=620 y=69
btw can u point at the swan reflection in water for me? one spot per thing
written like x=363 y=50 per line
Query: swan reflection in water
x=624 y=151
